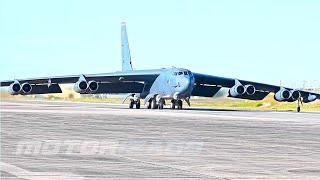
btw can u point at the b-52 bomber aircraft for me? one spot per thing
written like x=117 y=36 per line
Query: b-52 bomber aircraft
x=157 y=85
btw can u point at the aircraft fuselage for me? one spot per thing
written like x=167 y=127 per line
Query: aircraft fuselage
x=173 y=83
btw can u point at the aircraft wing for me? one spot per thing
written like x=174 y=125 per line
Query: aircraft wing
x=117 y=82
x=262 y=90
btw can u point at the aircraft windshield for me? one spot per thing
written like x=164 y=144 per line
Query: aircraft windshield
x=181 y=73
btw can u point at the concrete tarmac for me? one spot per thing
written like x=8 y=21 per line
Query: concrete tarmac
x=57 y=140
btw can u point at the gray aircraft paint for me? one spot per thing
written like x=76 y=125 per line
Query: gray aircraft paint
x=172 y=83
x=163 y=83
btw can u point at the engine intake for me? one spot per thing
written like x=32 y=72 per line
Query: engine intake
x=282 y=95
x=93 y=86
x=81 y=86
x=14 y=88
x=250 y=89
x=237 y=90
x=295 y=95
x=26 y=88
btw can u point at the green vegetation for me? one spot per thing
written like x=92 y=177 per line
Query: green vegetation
x=268 y=104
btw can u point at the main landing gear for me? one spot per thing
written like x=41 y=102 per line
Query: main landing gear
x=156 y=104
x=134 y=101
x=176 y=103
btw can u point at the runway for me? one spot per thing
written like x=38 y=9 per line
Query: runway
x=57 y=140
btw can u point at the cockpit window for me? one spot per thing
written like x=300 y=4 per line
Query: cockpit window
x=181 y=73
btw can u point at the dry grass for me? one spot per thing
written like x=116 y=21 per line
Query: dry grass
x=267 y=104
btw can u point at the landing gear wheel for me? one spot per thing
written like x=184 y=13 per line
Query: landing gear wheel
x=161 y=104
x=153 y=103
x=299 y=103
x=173 y=104
x=179 y=104
x=138 y=104
x=149 y=105
x=131 y=104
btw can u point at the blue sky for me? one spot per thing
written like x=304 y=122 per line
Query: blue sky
x=265 y=41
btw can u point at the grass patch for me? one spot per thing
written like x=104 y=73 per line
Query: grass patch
x=268 y=104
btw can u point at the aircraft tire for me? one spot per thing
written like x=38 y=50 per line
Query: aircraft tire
x=138 y=104
x=153 y=103
x=131 y=104
x=179 y=104
x=161 y=103
x=173 y=104
x=149 y=105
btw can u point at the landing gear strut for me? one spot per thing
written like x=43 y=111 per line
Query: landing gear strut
x=299 y=103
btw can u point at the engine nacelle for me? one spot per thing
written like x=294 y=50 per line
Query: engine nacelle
x=237 y=90
x=282 y=95
x=81 y=86
x=14 y=88
x=295 y=95
x=26 y=88
x=310 y=98
x=250 y=89
x=93 y=86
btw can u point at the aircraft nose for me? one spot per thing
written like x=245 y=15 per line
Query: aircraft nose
x=184 y=84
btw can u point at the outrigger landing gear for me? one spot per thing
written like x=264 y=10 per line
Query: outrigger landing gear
x=298 y=109
x=299 y=103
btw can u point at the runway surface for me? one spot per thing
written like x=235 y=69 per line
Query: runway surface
x=55 y=140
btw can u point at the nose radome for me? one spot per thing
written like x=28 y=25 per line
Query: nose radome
x=185 y=83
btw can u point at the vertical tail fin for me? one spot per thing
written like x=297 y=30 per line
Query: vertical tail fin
x=125 y=50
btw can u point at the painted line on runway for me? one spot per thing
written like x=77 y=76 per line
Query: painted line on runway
x=25 y=174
